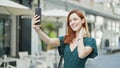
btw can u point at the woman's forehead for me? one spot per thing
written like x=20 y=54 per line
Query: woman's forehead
x=73 y=16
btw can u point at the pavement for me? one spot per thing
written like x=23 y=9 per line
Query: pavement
x=104 y=60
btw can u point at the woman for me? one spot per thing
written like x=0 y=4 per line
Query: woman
x=77 y=44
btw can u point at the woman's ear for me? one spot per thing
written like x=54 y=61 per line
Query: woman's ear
x=83 y=20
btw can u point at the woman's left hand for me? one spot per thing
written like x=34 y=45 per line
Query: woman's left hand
x=82 y=32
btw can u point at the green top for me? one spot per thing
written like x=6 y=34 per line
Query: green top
x=71 y=59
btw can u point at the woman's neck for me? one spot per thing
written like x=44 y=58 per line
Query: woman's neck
x=78 y=32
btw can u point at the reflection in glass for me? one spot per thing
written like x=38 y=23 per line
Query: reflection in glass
x=1 y=37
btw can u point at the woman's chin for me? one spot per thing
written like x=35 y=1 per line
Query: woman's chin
x=75 y=29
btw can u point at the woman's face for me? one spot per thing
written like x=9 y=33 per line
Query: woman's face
x=75 y=22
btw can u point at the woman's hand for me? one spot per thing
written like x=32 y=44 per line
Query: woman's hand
x=34 y=21
x=82 y=33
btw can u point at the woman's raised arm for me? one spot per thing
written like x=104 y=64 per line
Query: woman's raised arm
x=43 y=36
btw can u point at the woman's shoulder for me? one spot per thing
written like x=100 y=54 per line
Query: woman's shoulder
x=61 y=37
x=89 y=38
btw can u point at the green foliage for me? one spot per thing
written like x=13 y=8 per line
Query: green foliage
x=50 y=29
x=53 y=34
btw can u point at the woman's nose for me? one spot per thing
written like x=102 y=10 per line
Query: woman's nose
x=72 y=22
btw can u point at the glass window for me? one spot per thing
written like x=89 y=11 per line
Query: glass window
x=1 y=37
x=99 y=20
x=117 y=27
x=109 y=25
x=113 y=26
x=5 y=37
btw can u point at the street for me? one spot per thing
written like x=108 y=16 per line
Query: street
x=105 y=61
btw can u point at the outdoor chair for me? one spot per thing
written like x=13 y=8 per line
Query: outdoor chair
x=21 y=63
x=0 y=64
x=23 y=54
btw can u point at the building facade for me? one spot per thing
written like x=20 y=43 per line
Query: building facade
x=102 y=16
x=16 y=33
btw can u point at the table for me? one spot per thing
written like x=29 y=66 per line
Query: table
x=7 y=60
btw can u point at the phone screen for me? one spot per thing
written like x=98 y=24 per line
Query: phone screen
x=38 y=12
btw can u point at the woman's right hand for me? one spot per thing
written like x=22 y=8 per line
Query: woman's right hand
x=34 y=21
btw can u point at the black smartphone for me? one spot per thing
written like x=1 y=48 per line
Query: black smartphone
x=38 y=12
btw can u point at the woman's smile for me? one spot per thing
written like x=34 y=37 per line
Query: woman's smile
x=74 y=26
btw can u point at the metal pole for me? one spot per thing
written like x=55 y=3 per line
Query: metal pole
x=66 y=5
x=38 y=3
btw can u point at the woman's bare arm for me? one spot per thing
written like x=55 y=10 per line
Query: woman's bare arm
x=43 y=36
x=48 y=40
x=83 y=50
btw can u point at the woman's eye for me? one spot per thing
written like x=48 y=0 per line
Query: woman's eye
x=75 y=19
x=70 y=20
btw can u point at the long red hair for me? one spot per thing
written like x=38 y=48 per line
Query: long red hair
x=70 y=33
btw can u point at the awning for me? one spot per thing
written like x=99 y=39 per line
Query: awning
x=12 y=8
x=55 y=13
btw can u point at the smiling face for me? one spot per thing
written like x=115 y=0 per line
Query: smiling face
x=75 y=22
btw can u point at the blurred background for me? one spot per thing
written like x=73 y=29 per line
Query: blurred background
x=17 y=34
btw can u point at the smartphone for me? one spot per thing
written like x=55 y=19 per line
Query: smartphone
x=38 y=12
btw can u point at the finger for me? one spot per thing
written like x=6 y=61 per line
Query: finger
x=37 y=17
x=36 y=21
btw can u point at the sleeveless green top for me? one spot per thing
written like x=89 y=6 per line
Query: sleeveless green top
x=71 y=58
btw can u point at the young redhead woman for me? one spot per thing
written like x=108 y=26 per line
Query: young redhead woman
x=77 y=44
